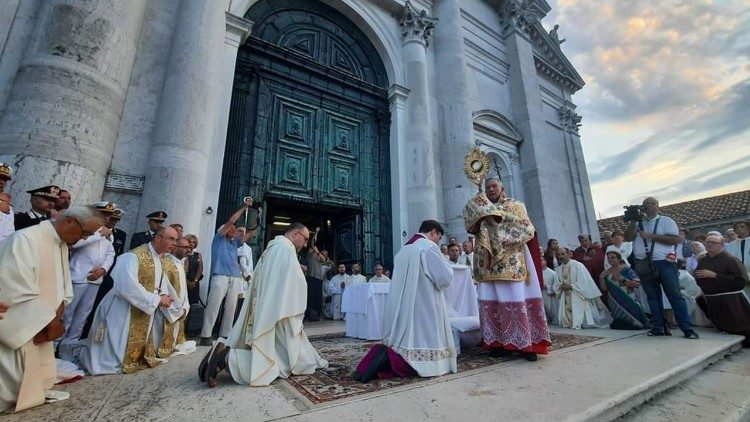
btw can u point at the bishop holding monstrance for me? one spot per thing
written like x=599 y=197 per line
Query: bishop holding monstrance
x=511 y=308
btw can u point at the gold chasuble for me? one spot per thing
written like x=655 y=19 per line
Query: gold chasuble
x=499 y=254
x=166 y=347
x=139 y=352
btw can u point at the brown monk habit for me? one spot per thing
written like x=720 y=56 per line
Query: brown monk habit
x=728 y=308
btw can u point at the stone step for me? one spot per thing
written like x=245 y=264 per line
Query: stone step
x=718 y=393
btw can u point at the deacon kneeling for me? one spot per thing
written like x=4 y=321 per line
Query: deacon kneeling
x=418 y=336
x=133 y=325
x=267 y=340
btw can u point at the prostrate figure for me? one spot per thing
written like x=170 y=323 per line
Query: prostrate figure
x=333 y=290
x=155 y=220
x=90 y=259
x=379 y=277
x=127 y=332
x=580 y=300
x=34 y=289
x=722 y=277
x=511 y=308
x=418 y=338
x=356 y=276
x=268 y=340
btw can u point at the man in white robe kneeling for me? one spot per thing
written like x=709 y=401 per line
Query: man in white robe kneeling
x=418 y=331
x=580 y=300
x=35 y=287
x=267 y=340
x=133 y=325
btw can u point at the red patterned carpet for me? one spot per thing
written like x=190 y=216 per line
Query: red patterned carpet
x=344 y=353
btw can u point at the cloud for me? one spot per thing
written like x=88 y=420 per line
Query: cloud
x=666 y=103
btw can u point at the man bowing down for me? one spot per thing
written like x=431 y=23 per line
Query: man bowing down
x=267 y=340
x=128 y=332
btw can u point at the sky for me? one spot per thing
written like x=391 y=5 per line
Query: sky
x=666 y=105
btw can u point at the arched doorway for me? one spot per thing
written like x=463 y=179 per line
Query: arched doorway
x=308 y=130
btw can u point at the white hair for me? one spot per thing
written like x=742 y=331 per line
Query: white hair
x=82 y=213
x=716 y=237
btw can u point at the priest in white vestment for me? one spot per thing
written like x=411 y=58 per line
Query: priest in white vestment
x=267 y=340
x=333 y=289
x=181 y=345
x=580 y=299
x=131 y=330
x=417 y=320
x=35 y=285
x=379 y=276
x=356 y=276
x=551 y=302
x=7 y=225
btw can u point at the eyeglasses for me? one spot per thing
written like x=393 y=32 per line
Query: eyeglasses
x=84 y=232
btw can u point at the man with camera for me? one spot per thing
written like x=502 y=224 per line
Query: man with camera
x=226 y=276
x=654 y=238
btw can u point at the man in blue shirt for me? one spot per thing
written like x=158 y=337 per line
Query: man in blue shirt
x=226 y=276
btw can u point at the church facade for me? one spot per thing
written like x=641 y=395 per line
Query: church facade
x=353 y=116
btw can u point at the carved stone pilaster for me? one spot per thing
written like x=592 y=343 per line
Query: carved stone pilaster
x=519 y=16
x=569 y=119
x=416 y=26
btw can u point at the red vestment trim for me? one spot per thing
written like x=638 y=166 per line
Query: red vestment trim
x=518 y=326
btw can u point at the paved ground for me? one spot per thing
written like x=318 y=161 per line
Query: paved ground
x=573 y=383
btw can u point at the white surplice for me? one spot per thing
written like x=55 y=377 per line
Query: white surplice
x=381 y=279
x=34 y=280
x=551 y=301
x=183 y=303
x=268 y=340
x=333 y=289
x=7 y=224
x=417 y=321
x=587 y=308
x=355 y=279
x=106 y=355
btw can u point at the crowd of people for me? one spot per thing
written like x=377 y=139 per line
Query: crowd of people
x=109 y=310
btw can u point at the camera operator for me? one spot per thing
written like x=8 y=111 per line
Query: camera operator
x=654 y=238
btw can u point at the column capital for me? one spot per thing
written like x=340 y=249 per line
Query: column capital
x=569 y=119
x=238 y=29
x=518 y=16
x=397 y=95
x=416 y=26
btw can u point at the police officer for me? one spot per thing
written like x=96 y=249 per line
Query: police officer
x=42 y=202
x=155 y=220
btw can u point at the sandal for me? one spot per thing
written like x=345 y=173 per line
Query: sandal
x=216 y=364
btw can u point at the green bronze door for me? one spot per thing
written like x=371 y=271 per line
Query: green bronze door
x=309 y=124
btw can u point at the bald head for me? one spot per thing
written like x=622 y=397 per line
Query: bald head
x=164 y=240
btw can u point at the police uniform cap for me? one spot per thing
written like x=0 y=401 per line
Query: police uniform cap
x=49 y=192
x=5 y=171
x=105 y=207
x=157 y=216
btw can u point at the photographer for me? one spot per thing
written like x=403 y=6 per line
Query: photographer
x=654 y=237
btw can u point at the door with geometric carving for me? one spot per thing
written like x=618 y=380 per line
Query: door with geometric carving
x=309 y=122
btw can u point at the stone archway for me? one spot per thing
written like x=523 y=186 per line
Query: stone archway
x=309 y=123
x=497 y=136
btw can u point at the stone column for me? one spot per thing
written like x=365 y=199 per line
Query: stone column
x=181 y=149
x=420 y=188
x=517 y=17
x=60 y=121
x=237 y=31
x=454 y=112
x=20 y=20
x=397 y=96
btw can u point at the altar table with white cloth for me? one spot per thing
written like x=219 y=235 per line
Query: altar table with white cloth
x=463 y=308
x=365 y=305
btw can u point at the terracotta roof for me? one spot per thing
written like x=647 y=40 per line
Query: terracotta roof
x=692 y=213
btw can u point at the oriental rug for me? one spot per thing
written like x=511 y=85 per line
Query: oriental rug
x=344 y=353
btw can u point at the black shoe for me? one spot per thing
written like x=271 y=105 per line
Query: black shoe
x=216 y=364
x=530 y=356
x=500 y=353
x=204 y=362
x=206 y=341
x=655 y=333
x=691 y=334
